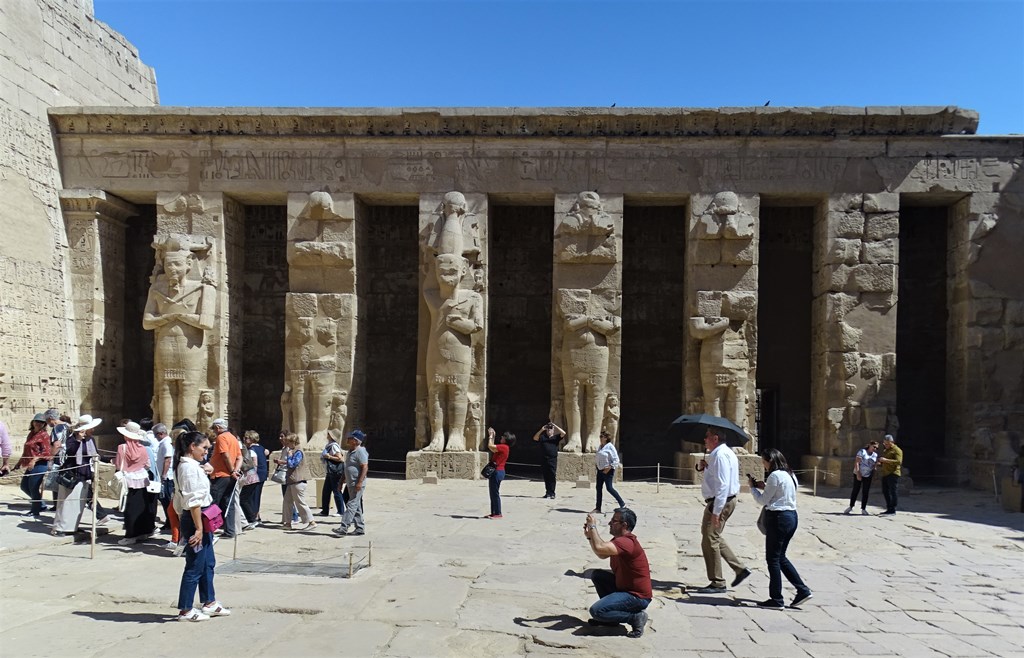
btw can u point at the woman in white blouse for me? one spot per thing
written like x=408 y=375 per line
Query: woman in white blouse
x=192 y=494
x=780 y=519
x=607 y=461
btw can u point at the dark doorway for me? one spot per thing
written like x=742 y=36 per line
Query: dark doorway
x=921 y=338
x=519 y=330
x=653 y=290
x=137 y=359
x=265 y=286
x=388 y=283
x=784 y=330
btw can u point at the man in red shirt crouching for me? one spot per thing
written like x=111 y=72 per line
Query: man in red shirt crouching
x=625 y=591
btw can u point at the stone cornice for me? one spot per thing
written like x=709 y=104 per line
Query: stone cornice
x=518 y=122
x=96 y=203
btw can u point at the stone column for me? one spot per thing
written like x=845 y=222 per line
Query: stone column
x=586 y=331
x=985 y=393
x=853 y=352
x=96 y=233
x=194 y=307
x=720 y=364
x=321 y=316
x=452 y=355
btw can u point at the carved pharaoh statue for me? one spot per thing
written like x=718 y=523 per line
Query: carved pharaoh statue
x=339 y=411
x=611 y=417
x=724 y=366
x=725 y=219
x=586 y=325
x=311 y=369
x=205 y=412
x=455 y=315
x=179 y=310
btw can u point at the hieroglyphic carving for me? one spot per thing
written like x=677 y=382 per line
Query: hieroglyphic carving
x=180 y=310
x=451 y=247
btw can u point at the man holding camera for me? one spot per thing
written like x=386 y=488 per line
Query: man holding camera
x=625 y=591
x=549 y=437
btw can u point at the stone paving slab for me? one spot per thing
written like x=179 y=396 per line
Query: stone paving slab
x=943 y=578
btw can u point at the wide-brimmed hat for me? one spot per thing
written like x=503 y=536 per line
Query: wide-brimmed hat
x=132 y=430
x=86 y=422
x=357 y=435
x=39 y=418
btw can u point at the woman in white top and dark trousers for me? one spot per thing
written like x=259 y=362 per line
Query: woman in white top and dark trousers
x=192 y=493
x=607 y=460
x=863 y=471
x=780 y=520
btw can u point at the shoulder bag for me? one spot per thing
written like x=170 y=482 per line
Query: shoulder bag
x=212 y=518
x=280 y=475
x=487 y=471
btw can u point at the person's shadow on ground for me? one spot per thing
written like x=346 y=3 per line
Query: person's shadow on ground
x=132 y=617
x=566 y=622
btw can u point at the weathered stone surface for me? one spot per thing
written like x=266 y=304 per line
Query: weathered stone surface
x=882 y=226
x=880 y=251
x=881 y=202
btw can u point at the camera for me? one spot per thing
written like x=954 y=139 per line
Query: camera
x=549 y=426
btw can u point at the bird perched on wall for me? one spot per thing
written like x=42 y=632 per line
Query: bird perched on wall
x=766 y=104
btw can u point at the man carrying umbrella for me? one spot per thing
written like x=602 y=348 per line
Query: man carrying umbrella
x=719 y=487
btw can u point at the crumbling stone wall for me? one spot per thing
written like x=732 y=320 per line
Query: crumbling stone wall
x=52 y=52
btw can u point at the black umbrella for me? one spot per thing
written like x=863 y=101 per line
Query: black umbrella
x=691 y=427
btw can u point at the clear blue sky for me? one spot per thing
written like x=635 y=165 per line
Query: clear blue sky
x=583 y=53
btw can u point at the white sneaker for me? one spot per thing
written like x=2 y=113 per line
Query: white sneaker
x=864 y=512
x=215 y=609
x=193 y=615
x=171 y=545
x=848 y=510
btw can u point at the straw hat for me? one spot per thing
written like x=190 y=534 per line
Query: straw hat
x=132 y=430
x=86 y=422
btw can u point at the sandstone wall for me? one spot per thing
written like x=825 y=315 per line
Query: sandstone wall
x=52 y=52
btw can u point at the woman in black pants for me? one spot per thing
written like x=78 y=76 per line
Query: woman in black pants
x=778 y=496
x=863 y=471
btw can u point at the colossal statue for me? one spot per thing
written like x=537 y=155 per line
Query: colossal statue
x=179 y=310
x=611 y=417
x=586 y=327
x=724 y=365
x=311 y=365
x=455 y=314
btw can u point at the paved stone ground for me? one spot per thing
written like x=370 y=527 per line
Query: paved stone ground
x=945 y=577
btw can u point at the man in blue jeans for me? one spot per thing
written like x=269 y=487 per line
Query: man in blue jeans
x=625 y=591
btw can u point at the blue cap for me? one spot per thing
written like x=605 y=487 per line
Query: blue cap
x=357 y=435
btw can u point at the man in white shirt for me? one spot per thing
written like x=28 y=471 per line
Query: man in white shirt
x=719 y=487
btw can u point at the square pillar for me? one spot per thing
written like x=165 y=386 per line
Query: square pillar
x=321 y=315
x=586 y=331
x=720 y=362
x=853 y=353
x=95 y=224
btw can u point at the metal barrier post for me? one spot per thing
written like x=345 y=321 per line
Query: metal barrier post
x=95 y=474
x=369 y=555
x=657 y=488
x=995 y=485
x=814 y=491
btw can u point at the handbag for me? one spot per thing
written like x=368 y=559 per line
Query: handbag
x=212 y=518
x=761 y=522
x=154 y=486
x=488 y=470
x=67 y=478
x=280 y=475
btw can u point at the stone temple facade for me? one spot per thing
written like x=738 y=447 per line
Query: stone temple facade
x=819 y=275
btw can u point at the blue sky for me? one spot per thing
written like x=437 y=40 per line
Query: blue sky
x=583 y=53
